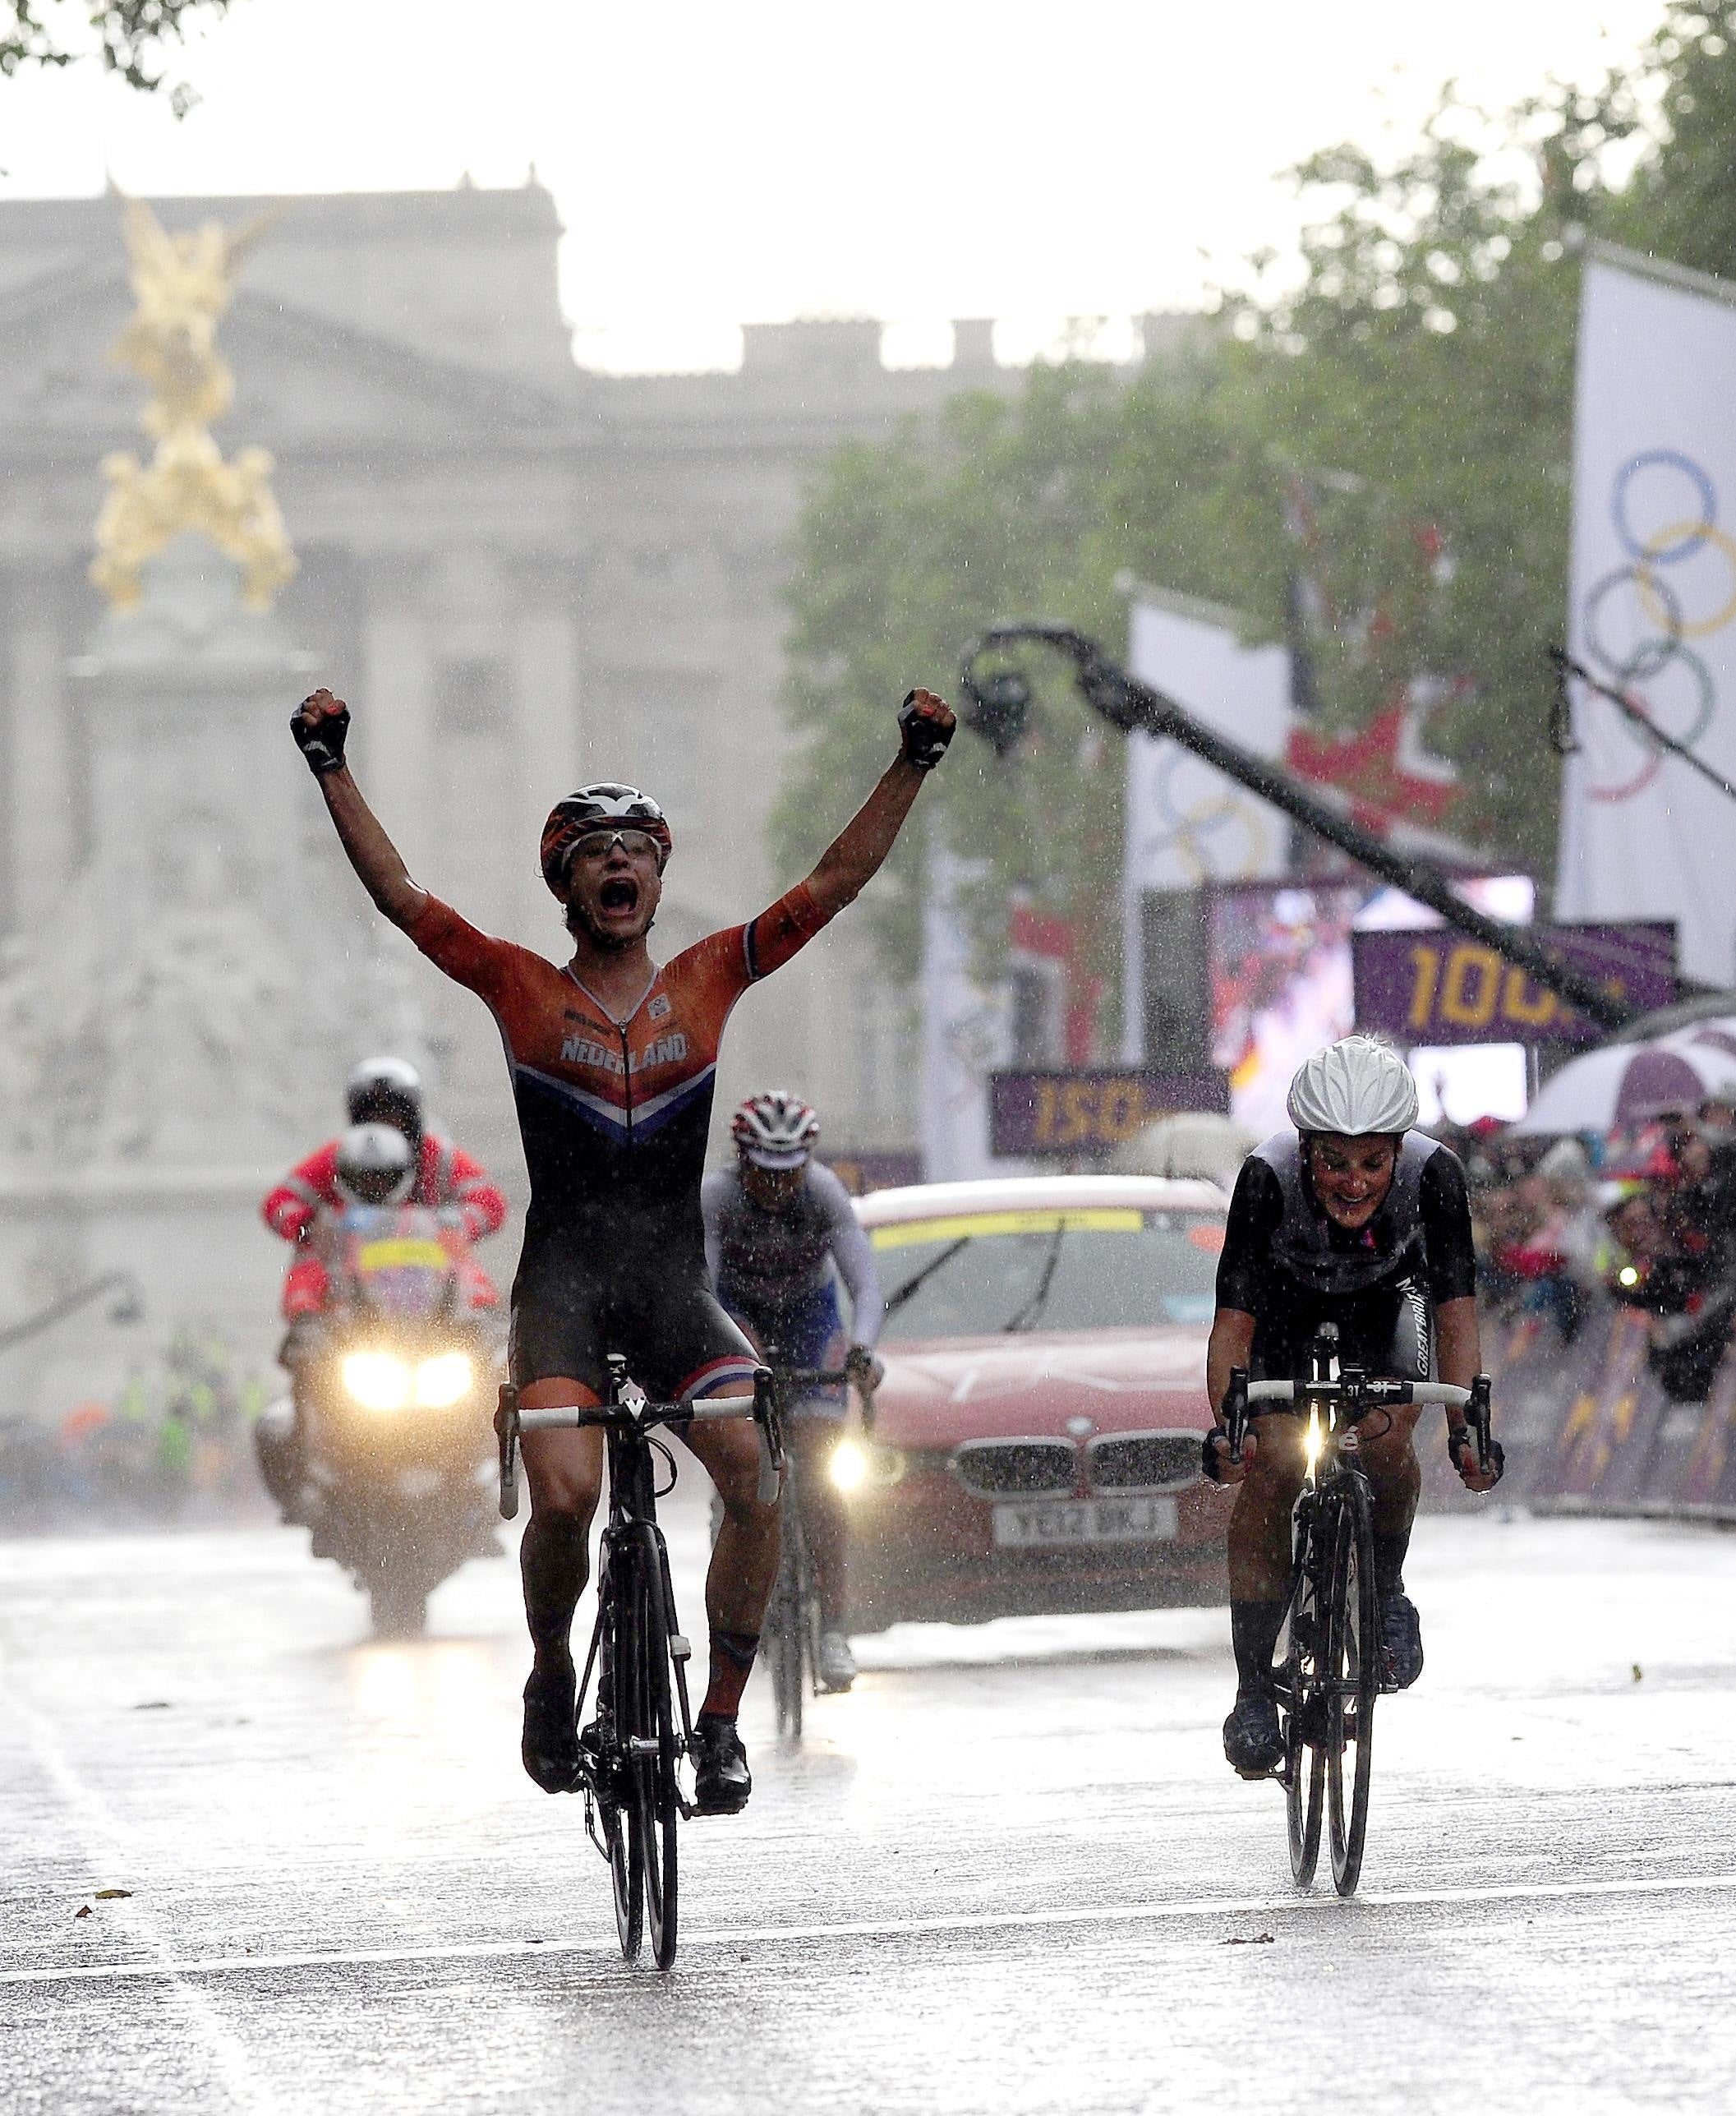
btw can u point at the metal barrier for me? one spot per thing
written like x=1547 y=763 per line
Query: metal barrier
x=1588 y=1428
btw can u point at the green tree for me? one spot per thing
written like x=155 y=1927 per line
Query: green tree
x=1421 y=369
x=132 y=37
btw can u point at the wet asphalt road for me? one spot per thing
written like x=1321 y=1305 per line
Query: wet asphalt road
x=1011 y=1873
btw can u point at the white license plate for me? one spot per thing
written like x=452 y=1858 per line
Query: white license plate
x=1053 y=1523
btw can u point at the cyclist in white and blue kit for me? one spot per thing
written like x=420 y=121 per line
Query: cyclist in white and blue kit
x=779 y=1234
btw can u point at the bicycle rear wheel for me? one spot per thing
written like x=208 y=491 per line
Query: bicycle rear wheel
x=626 y=1864
x=1304 y=1763
x=653 y=1813
x=1352 y=1682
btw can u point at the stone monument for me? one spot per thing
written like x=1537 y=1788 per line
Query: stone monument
x=172 y=1033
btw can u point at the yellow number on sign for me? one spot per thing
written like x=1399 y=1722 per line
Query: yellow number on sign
x=1427 y=960
x=1044 y=1129
x=1527 y=1004
x=1122 y=1111
x=1076 y=1099
x=1475 y=1009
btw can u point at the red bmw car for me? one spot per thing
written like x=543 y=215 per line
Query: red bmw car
x=1037 y=1443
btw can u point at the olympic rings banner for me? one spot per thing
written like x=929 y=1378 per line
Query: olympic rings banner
x=1653 y=609
x=1187 y=824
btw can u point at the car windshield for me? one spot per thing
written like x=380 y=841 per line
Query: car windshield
x=976 y=1275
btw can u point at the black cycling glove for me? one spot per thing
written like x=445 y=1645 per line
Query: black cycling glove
x=924 y=739
x=320 y=741
x=1211 y=1461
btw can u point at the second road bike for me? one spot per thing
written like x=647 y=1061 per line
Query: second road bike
x=1330 y=1673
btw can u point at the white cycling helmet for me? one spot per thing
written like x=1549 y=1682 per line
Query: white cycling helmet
x=375 y=1165
x=775 y=1129
x=1355 y=1087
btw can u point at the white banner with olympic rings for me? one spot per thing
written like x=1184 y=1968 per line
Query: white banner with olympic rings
x=1653 y=610
x=1187 y=824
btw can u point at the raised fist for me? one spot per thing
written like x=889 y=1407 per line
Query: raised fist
x=925 y=726
x=319 y=725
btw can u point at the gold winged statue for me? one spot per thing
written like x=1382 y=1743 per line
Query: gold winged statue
x=183 y=284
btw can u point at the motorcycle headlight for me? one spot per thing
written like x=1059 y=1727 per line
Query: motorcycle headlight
x=441 y=1381
x=378 y=1380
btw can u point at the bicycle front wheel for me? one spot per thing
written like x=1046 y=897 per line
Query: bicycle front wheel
x=614 y=1800
x=784 y=1634
x=1305 y=1762
x=654 y=1810
x=1352 y=1682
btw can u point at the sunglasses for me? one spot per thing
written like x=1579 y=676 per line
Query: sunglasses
x=598 y=843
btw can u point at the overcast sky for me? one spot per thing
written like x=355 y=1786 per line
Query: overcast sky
x=914 y=160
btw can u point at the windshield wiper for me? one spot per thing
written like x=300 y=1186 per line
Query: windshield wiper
x=915 y=1284
x=1024 y=1317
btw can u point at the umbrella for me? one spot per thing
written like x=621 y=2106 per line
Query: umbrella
x=1623 y=1084
x=1193 y=1142
x=1714 y=1041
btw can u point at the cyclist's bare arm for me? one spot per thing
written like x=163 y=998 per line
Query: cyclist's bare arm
x=857 y=855
x=1459 y=1347
x=1231 y=1345
x=1460 y=1358
x=371 y=853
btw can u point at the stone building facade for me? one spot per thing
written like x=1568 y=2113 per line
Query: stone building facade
x=522 y=573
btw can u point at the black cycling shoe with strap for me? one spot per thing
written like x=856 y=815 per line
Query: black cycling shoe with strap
x=1253 y=1739
x=721 y=1779
x=1401 y=1640
x=550 y=1747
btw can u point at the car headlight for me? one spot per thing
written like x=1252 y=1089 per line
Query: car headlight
x=854 y=1465
x=378 y=1380
x=441 y=1381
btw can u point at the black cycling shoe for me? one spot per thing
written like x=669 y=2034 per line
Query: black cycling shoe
x=1401 y=1641
x=721 y=1779
x=1252 y=1740
x=550 y=1744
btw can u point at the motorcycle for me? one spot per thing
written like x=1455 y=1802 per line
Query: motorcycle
x=387 y=1450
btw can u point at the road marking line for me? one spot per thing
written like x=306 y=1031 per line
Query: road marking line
x=96 y=1822
x=1116 y=1914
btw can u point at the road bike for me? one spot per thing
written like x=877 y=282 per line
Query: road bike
x=631 y=1751
x=1330 y=1672
x=789 y=1636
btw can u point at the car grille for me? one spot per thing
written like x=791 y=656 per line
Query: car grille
x=1016 y=1468
x=1144 y=1461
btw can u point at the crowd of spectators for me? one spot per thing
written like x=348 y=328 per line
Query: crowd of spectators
x=173 y=1444
x=1645 y=1216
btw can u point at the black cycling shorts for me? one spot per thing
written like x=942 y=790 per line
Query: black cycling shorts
x=1389 y=1331
x=666 y=1323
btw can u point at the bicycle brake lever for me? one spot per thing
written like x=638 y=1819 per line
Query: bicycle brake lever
x=1477 y=1417
x=507 y=1433
x=770 y=1438
x=1235 y=1411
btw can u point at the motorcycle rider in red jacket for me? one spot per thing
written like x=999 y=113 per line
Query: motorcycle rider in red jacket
x=380 y=1090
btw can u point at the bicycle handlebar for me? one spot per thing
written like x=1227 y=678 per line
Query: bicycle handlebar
x=512 y=1422
x=1376 y=1393
x=1369 y=1394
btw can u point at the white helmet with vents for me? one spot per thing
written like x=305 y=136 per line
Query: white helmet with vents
x=1355 y=1087
x=775 y=1129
